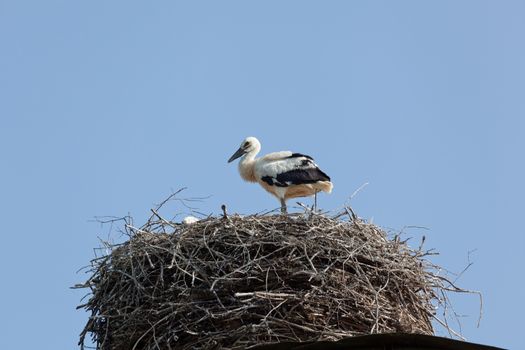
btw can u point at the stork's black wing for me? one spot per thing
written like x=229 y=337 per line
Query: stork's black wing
x=302 y=176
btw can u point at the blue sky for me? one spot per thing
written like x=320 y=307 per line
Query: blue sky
x=107 y=107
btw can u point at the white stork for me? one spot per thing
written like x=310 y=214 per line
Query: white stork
x=284 y=174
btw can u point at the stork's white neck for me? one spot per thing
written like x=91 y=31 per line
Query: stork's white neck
x=250 y=155
x=247 y=166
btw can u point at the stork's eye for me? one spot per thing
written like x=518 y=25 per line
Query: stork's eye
x=246 y=145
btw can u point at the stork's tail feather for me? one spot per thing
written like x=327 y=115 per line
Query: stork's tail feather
x=325 y=186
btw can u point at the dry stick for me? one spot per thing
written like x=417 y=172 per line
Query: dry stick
x=225 y=215
x=170 y=197
x=278 y=296
x=275 y=308
x=164 y=221
x=445 y=324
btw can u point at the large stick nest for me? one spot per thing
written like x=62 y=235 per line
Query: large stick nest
x=233 y=282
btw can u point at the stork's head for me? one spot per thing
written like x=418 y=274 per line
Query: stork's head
x=249 y=145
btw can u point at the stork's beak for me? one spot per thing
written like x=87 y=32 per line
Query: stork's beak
x=239 y=153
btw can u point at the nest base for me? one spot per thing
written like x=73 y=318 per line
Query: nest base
x=236 y=282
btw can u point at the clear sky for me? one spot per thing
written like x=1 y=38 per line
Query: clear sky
x=108 y=106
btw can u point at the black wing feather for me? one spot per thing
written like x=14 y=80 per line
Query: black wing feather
x=302 y=176
x=297 y=155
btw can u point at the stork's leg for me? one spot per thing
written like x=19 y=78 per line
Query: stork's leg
x=315 y=201
x=283 y=206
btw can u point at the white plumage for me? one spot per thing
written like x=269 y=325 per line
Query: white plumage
x=284 y=174
x=189 y=220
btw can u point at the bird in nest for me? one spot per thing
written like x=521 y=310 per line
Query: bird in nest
x=284 y=174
